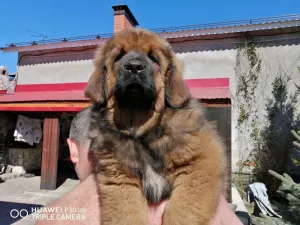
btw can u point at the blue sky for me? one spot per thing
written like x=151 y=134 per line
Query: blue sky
x=67 y=18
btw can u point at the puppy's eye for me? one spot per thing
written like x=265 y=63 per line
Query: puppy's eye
x=153 y=57
x=121 y=54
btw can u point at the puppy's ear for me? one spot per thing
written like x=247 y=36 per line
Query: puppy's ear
x=177 y=93
x=96 y=87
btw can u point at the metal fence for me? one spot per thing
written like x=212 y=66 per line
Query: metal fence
x=168 y=29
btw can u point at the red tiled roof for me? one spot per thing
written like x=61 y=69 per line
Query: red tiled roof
x=208 y=83
x=210 y=93
x=44 y=96
x=217 y=88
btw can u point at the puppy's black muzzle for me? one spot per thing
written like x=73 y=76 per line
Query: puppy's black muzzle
x=135 y=82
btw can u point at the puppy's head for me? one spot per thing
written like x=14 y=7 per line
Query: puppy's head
x=137 y=69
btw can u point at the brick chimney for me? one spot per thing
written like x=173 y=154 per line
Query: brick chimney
x=123 y=18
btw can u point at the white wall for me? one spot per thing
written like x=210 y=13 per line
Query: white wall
x=60 y=72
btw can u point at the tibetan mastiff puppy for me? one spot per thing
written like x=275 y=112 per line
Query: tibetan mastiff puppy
x=150 y=139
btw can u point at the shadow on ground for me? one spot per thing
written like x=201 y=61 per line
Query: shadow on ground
x=243 y=216
x=9 y=211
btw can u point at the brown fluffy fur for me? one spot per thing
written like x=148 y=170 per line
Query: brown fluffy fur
x=173 y=139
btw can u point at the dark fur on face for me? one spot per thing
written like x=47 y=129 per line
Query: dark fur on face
x=135 y=86
x=150 y=140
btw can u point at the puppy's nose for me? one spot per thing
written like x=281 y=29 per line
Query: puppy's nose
x=134 y=66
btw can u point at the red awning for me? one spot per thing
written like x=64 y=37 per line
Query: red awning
x=217 y=88
x=44 y=96
x=210 y=93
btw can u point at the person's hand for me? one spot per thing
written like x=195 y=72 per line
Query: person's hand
x=224 y=215
x=155 y=213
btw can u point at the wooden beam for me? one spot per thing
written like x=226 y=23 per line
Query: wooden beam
x=76 y=106
x=50 y=153
x=222 y=118
x=45 y=106
x=215 y=102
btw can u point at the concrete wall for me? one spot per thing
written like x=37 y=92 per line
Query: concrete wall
x=207 y=59
x=30 y=159
x=64 y=66
x=60 y=72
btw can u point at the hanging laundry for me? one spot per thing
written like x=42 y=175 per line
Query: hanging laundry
x=37 y=130
x=28 y=130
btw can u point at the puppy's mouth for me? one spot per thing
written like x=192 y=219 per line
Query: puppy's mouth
x=134 y=91
x=135 y=96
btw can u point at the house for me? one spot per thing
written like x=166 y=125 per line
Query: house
x=52 y=74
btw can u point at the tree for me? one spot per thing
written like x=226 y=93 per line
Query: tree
x=297 y=145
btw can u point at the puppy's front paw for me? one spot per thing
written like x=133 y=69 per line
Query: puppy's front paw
x=177 y=215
